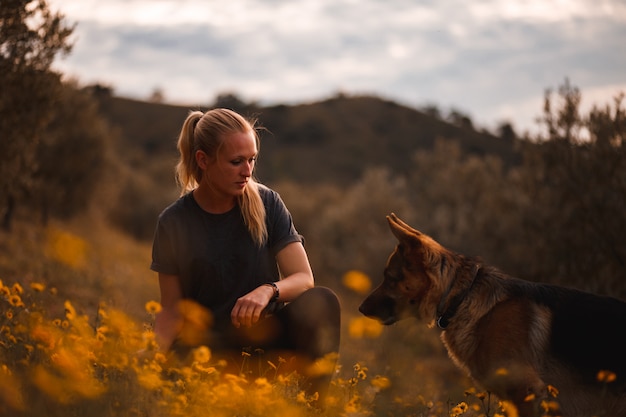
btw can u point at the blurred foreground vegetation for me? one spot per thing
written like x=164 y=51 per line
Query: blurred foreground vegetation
x=84 y=175
x=62 y=356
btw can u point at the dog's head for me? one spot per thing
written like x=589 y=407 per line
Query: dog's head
x=412 y=283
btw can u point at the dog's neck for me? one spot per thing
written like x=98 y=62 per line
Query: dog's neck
x=444 y=316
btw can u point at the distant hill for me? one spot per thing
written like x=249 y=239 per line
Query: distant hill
x=331 y=140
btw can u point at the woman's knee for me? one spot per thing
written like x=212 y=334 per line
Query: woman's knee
x=314 y=321
x=313 y=307
x=321 y=301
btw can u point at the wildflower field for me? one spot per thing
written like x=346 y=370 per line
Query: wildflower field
x=77 y=306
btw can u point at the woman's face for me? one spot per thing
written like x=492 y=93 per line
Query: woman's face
x=229 y=173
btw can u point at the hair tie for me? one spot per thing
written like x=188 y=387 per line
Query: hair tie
x=195 y=122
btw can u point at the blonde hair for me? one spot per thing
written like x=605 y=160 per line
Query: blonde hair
x=206 y=132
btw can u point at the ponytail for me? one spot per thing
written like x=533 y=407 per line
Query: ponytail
x=188 y=173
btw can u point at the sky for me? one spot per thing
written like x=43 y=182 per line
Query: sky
x=492 y=60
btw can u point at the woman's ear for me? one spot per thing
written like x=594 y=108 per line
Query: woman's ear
x=202 y=159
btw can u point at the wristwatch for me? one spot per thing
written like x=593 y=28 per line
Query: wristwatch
x=276 y=291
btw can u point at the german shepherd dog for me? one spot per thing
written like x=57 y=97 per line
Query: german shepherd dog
x=520 y=340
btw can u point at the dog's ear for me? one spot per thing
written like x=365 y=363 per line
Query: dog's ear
x=402 y=231
x=430 y=250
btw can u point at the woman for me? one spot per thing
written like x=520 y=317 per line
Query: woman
x=229 y=244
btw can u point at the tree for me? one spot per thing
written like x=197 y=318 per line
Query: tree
x=157 y=96
x=458 y=196
x=457 y=118
x=575 y=177
x=506 y=131
x=71 y=155
x=31 y=36
x=230 y=100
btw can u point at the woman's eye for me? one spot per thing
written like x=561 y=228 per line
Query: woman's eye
x=241 y=161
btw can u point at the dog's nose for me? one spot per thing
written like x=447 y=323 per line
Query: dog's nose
x=380 y=308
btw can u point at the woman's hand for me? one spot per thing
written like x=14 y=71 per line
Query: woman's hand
x=295 y=269
x=248 y=309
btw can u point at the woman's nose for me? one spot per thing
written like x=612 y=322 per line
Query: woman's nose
x=247 y=168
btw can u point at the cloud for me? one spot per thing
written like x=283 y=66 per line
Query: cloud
x=492 y=59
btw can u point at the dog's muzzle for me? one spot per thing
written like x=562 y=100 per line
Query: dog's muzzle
x=380 y=308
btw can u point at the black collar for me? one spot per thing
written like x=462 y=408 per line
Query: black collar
x=443 y=317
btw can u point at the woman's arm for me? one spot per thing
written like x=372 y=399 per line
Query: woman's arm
x=295 y=269
x=168 y=322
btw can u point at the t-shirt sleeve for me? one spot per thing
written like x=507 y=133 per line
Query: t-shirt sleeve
x=281 y=230
x=163 y=248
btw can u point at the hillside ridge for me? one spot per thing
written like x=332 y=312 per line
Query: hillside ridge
x=335 y=139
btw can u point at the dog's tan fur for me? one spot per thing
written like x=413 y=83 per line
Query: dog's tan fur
x=514 y=337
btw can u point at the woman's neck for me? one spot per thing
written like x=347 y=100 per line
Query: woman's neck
x=212 y=202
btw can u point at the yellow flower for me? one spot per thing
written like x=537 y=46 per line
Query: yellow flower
x=606 y=376
x=204 y=369
x=263 y=387
x=5 y=291
x=361 y=327
x=17 y=289
x=196 y=320
x=102 y=312
x=36 y=286
x=149 y=380
x=502 y=372
x=66 y=248
x=324 y=365
x=182 y=399
x=357 y=281
x=352 y=406
x=101 y=332
x=553 y=391
x=16 y=301
x=153 y=307
x=70 y=312
x=360 y=371
x=550 y=406
x=509 y=409
x=301 y=397
x=202 y=354
x=459 y=409
x=381 y=382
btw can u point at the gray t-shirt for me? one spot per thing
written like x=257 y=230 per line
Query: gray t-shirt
x=214 y=255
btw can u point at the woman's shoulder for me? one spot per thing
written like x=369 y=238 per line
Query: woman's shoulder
x=265 y=191
x=269 y=196
x=182 y=205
